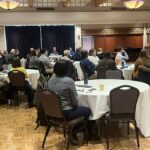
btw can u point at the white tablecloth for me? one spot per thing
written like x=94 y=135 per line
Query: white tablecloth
x=33 y=77
x=54 y=57
x=79 y=71
x=98 y=101
x=127 y=72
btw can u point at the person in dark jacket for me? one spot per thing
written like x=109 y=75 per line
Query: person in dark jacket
x=87 y=66
x=107 y=61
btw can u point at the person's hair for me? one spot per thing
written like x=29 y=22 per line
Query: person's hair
x=66 y=52
x=16 y=62
x=84 y=54
x=12 y=51
x=43 y=51
x=60 y=68
x=107 y=55
x=120 y=49
x=143 y=53
x=91 y=52
x=99 y=49
x=33 y=53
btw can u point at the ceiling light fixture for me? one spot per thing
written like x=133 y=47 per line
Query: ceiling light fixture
x=9 y=4
x=133 y=4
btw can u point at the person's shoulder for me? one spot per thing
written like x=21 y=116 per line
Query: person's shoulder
x=68 y=79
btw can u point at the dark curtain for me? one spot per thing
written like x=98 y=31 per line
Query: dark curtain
x=22 y=38
x=61 y=37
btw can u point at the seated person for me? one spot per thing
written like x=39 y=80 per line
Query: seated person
x=71 y=53
x=4 y=88
x=107 y=61
x=33 y=60
x=87 y=66
x=121 y=56
x=9 y=57
x=66 y=55
x=144 y=59
x=100 y=53
x=46 y=62
x=2 y=60
x=58 y=83
x=28 y=89
x=92 y=57
x=78 y=54
x=54 y=51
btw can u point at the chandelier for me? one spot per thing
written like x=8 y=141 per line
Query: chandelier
x=133 y=4
x=9 y=4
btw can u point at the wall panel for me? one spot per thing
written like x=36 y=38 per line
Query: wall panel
x=138 y=41
x=110 y=42
x=125 y=41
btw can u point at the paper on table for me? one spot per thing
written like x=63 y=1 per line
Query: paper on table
x=84 y=89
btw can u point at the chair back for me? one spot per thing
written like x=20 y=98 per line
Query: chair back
x=51 y=104
x=113 y=74
x=42 y=68
x=17 y=78
x=101 y=71
x=83 y=72
x=144 y=74
x=82 y=68
x=123 y=101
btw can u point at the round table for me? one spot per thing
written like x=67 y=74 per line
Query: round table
x=79 y=70
x=33 y=77
x=127 y=72
x=98 y=101
x=54 y=57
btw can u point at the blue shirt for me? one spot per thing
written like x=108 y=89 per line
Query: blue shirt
x=88 y=66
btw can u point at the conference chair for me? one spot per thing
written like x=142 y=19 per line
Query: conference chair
x=123 y=100
x=17 y=83
x=113 y=74
x=52 y=107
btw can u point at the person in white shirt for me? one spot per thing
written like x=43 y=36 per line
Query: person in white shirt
x=93 y=58
x=121 y=56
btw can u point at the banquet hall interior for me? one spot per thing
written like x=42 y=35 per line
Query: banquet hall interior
x=60 y=29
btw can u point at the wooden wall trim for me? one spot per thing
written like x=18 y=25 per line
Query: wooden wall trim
x=113 y=31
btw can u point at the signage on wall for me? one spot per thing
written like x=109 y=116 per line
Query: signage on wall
x=87 y=42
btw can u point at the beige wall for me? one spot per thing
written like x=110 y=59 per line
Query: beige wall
x=2 y=39
x=107 y=17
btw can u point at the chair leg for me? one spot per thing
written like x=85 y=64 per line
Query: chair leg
x=46 y=133
x=69 y=138
x=64 y=131
x=37 y=123
x=98 y=127
x=17 y=98
x=101 y=129
x=137 y=133
x=106 y=133
x=86 y=132
x=128 y=128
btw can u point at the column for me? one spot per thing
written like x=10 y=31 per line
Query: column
x=144 y=37
x=2 y=38
x=77 y=36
